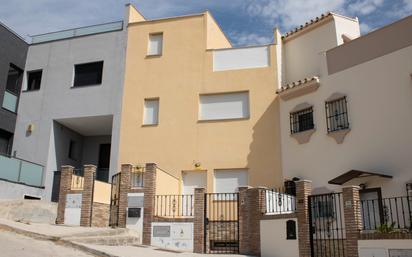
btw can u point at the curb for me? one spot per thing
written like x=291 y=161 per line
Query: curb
x=56 y=240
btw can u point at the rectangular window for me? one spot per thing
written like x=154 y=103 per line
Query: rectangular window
x=88 y=74
x=301 y=120
x=337 y=114
x=228 y=181
x=224 y=106
x=73 y=150
x=34 y=80
x=151 y=112
x=14 y=77
x=155 y=44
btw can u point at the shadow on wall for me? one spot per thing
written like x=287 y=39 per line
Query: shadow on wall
x=264 y=158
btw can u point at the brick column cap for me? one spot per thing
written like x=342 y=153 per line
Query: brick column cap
x=67 y=167
x=151 y=164
x=127 y=164
x=351 y=187
x=89 y=166
x=303 y=180
x=200 y=189
x=244 y=188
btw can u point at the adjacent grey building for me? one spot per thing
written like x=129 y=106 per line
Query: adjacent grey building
x=13 y=52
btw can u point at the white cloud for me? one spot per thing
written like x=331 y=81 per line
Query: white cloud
x=245 y=39
x=288 y=14
x=364 y=7
x=365 y=28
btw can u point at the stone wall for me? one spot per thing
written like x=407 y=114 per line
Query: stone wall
x=100 y=216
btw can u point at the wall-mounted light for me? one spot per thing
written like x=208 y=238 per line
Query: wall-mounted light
x=30 y=128
x=198 y=165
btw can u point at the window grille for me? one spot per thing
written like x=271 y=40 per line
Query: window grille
x=337 y=114
x=301 y=120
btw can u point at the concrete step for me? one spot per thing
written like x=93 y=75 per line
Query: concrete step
x=101 y=233
x=119 y=240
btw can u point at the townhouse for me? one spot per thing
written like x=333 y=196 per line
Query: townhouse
x=345 y=117
x=71 y=116
x=200 y=109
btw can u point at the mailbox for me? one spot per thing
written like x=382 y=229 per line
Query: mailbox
x=133 y=212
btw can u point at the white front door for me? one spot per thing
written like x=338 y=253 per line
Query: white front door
x=192 y=180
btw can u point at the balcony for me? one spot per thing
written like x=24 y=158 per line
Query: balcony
x=21 y=171
x=10 y=101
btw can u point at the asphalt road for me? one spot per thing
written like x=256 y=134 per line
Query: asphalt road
x=14 y=245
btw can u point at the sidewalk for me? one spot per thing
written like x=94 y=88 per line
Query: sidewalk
x=61 y=233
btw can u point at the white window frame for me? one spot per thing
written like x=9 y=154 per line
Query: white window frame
x=145 y=113
x=159 y=50
x=222 y=117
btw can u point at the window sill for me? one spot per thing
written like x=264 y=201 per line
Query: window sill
x=339 y=135
x=29 y=91
x=304 y=136
x=223 y=120
x=94 y=85
x=148 y=56
x=150 y=125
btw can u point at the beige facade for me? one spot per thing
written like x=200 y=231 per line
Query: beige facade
x=184 y=72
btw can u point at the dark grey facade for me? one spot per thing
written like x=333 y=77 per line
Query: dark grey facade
x=13 y=52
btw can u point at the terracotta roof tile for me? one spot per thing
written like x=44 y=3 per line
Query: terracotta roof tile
x=297 y=84
x=307 y=24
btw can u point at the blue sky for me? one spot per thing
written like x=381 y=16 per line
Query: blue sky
x=246 y=22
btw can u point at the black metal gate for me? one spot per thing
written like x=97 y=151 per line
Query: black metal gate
x=327 y=226
x=222 y=223
x=114 y=201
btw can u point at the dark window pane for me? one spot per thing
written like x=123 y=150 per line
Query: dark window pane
x=14 y=79
x=34 y=80
x=337 y=114
x=301 y=120
x=88 y=74
x=72 y=150
x=5 y=142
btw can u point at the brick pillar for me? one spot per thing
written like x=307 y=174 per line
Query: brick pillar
x=126 y=169
x=89 y=172
x=199 y=221
x=353 y=220
x=149 y=189
x=65 y=186
x=249 y=220
x=303 y=190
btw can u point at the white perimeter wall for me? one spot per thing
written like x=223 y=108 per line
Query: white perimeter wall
x=56 y=98
x=273 y=241
x=241 y=58
x=379 y=94
x=381 y=248
x=180 y=236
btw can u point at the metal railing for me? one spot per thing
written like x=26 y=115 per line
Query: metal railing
x=174 y=206
x=21 y=171
x=77 y=32
x=278 y=202
x=387 y=215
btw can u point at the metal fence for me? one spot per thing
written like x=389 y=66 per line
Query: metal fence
x=174 y=206
x=387 y=215
x=278 y=202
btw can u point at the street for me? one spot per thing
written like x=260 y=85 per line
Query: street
x=14 y=245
